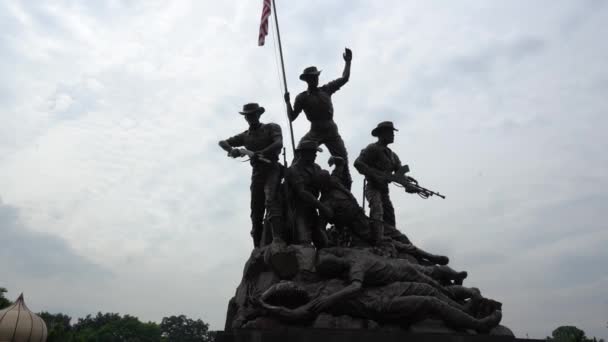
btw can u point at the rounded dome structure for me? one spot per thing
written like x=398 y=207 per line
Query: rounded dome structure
x=19 y=324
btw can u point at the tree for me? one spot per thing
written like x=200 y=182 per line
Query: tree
x=4 y=303
x=182 y=328
x=568 y=333
x=113 y=327
x=58 y=326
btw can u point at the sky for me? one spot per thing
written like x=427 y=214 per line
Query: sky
x=115 y=197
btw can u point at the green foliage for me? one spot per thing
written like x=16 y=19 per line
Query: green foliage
x=182 y=328
x=113 y=327
x=568 y=333
x=4 y=303
x=58 y=326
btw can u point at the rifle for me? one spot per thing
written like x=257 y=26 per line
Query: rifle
x=411 y=185
x=245 y=152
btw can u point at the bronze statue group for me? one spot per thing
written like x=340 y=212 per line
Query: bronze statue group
x=302 y=272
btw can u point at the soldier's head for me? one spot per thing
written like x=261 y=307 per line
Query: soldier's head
x=310 y=75
x=385 y=132
x=252 y=113
x=307 y=151
x=331 y=263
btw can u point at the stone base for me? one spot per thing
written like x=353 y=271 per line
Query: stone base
x=336 y=335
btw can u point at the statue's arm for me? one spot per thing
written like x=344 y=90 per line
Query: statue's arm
x=352 y=289
x=336 y=84
x=348 y=56
x=298 y=314
x=420 y=277
x=310 y=199
x=307 y=196
x=225 y=145
x=276 y=145
x=277 y=141
x=397 y=162
x=292 y=112
x=229 y=144
x=321 y=304
x=365 y=169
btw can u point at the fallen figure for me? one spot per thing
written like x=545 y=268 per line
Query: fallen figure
x=368 y=269
x=403 y=303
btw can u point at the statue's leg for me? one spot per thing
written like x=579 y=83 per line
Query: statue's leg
x=376 y=211
x=362 y=227
x=460 y=319
x=305 y=222
x=272 y=203
x=336 y=147
x=413 y=273
x=392 y=232
x=257 y=207
x=460 y=292
x=388 y=211
x=451 y=274
x=422 y=254
x=416 y=308
x=309 y=136
x=420 y=289
x=442 y=273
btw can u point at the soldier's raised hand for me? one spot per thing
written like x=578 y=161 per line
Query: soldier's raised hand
x=348 y=55
x=286 y=97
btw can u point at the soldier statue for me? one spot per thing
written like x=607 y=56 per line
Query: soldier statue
x=263 y=144
x=377 y=162
x=317 y=105
x=303 y=180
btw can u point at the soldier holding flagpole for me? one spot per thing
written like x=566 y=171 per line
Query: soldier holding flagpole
x=316 y=103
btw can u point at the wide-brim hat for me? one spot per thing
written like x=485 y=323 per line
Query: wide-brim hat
x=310 y=71
x=308 y=145
x=382 y=126
x=252 y=108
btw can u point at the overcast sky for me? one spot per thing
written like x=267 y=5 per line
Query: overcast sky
x=115 y=196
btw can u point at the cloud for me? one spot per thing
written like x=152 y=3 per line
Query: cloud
x=112 y=111
x=40 y=255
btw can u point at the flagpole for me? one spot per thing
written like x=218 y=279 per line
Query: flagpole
x=276 y=22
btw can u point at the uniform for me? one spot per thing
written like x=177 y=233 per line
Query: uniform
x=379 y=159
x=265 y=177
x=319 y=110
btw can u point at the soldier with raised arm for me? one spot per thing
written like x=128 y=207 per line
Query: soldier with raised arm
x=263 y=144
x=316 y=103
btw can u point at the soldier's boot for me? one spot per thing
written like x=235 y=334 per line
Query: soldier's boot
x=435 y=259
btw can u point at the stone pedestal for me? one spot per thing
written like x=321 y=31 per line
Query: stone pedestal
x=337 y=335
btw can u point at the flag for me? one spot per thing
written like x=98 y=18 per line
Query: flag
x=264 y=22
